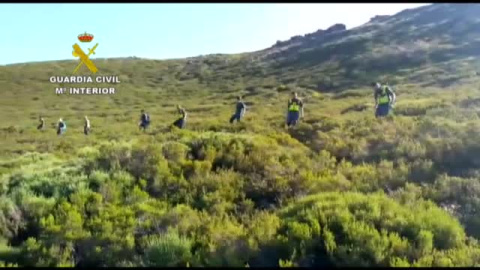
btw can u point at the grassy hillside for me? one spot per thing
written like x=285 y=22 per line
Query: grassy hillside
x=340 y=189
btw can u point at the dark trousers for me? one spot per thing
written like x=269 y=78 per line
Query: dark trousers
x=60 y=131
x=144 y=125
x=292 y=118
x=237 y=116
x=382 y=110
x=180 y=123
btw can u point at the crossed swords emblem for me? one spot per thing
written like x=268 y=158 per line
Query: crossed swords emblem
x=78 y=52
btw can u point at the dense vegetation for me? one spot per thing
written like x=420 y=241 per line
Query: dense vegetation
x=340 y=189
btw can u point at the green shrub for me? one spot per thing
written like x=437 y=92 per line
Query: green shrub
x=167 y=250
x=368 y=230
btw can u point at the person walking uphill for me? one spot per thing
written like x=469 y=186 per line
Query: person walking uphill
x=42 y=124
x=144 y=120
x=294 y=110
x=182 y=121
x=384 y=99
x=240 y=110
x=62 y=127
x=86 y=127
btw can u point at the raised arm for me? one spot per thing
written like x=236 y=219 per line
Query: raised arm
x=183 y=112
x=394 y=97
x=375 y=95
x=301 y=108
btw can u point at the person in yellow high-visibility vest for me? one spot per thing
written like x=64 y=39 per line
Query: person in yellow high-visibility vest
x=384 y=99
x=294 y=110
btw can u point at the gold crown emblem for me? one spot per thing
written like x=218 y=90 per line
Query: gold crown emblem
x=85 y=37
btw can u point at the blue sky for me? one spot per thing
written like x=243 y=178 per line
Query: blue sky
x=44 y=32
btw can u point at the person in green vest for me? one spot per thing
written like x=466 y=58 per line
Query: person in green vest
x=384 y=99
x=294 y=110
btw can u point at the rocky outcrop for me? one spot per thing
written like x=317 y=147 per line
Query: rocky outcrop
x=379 y=18
x=336 y=28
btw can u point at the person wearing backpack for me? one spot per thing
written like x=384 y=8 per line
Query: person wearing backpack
x=144 y=120
x=182 y=121
x=239 y=112
x=62 y=127
x=294 y=110
x=42 y=124
x=384 y=100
